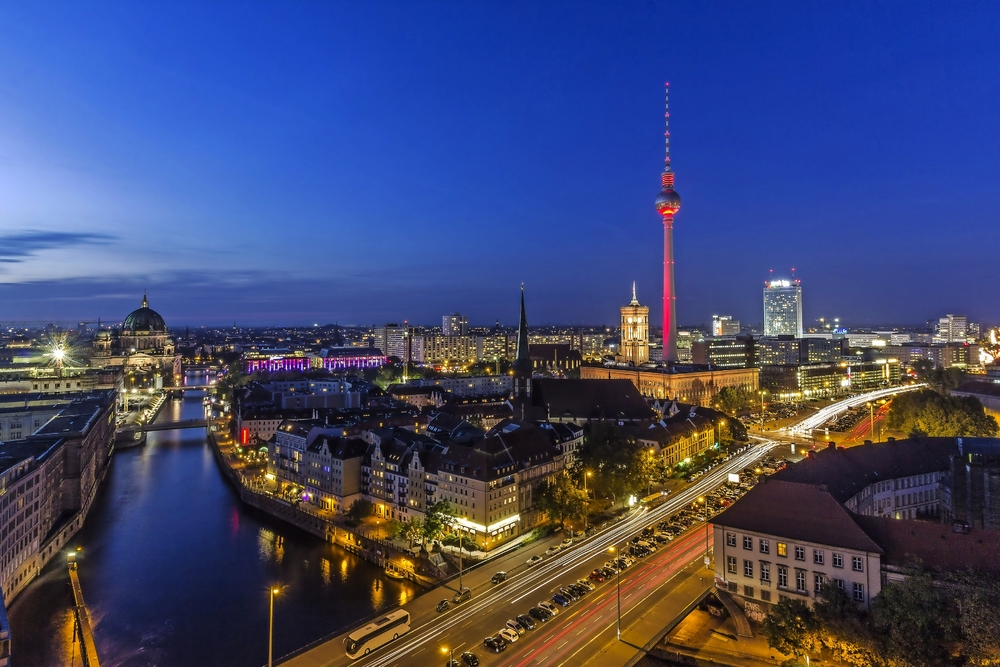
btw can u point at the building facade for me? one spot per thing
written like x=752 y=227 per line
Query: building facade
x=725 y=325
x=783 y=308
x=697 y=387
x=634 y=346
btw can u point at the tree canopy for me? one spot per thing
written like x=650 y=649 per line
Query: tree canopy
x=929 y=413
x=620 y=464
x=732 y=400
x=560 y=499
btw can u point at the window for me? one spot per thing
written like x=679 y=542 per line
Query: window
x=817 y=557
x=765 y=596
x=839 y=583
x=730 y=539
x=782 y=549
x=817 y=583
x=748 y=568
x=838 y=560
x=857 y=564
x=748 y=543
x=859 y=592
x=800 y=553
x=782 y=576
x=765 y=571
x=800 y=581
x=731 y=564
x=765 y=546
x=748 y=591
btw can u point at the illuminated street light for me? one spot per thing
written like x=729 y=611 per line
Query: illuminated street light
x=270 y=632
x=618 y=577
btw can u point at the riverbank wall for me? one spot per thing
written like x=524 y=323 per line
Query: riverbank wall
x=377 y=551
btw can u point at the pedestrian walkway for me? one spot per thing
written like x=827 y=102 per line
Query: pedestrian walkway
x=742 y=624
x=89 y=648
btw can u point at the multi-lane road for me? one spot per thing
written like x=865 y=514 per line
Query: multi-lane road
x=822 y=416
x=580 y=628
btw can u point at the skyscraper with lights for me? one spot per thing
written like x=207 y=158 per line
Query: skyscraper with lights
x=668 y=202
x=783 y=308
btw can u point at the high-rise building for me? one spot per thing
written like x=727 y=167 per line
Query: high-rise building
x=634 y=347
x=454 y=324
x=395 y=340
x=668 y=202
x=725 y=325
x=783 y=308
x=951 y=329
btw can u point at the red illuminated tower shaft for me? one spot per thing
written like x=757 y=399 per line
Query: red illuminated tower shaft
x=668 y=202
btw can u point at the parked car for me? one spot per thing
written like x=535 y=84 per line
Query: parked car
x=452 y=663
x=568 y=592
x=515 y=626
x=548 y=606
x=589 y=585
x=568 y=542
x=470 y=659
x=551 y=551
x=597 y=575
x=561 y=600
x=495 y=644
x=534 y=560
x=443 y=606
x=540 y=614
x=499 y=578
x=526 y=621
x=509 y=635
x=462 y=596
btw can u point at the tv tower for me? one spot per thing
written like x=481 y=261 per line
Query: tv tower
x=667 y=204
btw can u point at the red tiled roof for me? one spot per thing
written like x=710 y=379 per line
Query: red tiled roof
x=936 y=545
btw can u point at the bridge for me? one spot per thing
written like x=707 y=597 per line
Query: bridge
x=164 y=426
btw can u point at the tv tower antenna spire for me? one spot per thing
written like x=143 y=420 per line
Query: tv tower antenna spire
x=668 y=203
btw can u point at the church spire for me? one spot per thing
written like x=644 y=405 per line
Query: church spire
x=145 y=302
x=635 y=300
x=522 y=362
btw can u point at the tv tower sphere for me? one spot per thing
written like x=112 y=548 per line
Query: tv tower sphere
x=668 y=202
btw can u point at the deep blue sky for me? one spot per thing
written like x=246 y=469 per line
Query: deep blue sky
x=363 y=162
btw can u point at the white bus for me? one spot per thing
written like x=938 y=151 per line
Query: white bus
x=376 y=634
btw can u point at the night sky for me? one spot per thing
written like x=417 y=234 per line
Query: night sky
x=368 y=162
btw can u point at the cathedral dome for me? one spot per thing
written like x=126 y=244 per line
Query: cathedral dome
x=144 y=320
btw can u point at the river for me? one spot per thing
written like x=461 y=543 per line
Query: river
x=176 y=571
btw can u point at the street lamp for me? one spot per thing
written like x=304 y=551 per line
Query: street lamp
x=586 y=505
x=451 y=654
x=762 y=392
x=270 y=632
x=618 y=577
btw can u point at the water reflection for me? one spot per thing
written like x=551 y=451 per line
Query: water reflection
x=176 y=570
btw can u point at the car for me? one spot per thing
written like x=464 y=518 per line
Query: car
x=515 y=626
x=608 y=572
x=540 y=614
x=534 y=560
x=568 y=542
x=526 y=621
x=495 y=644
x=612 y=565
x=551 y=551
x=579 y=589
x=462 y=595
x=597 y=575
x=548 y=606
x=589 y=585
x=661 y=538
x=561 y=600
x=568 y=592
x=470 y=659
x=509 y=635
x=499 y=578
x=453 y=663
x=443 y=606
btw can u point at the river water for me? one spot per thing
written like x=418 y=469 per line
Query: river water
x=176 y=571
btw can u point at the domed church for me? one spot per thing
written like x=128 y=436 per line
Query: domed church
x=143 y=345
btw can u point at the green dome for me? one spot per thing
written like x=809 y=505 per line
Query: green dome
x=144 y=320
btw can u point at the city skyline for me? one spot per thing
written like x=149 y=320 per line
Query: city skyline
x=235 y=192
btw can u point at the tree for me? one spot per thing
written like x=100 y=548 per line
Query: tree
x=394 y=529
x=732 y=399
x=845 y=628
x=915 y=621
x=789 y=627
x=621 y=465
x=560 y=499
x=978 y=598
x=437 y=517
x=359 y=510
x=413 y=530
x=929 y=413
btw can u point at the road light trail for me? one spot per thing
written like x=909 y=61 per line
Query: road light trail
x=823 y=415
x=534 y=579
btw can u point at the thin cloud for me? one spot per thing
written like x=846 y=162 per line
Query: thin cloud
x=18 y=247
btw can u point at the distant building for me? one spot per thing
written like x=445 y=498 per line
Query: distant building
x=395 y=340
x=634 y=346
x=951 y=329
x=554 y=358
x=695 y=386
x=783 y=308
x=725 y=325
x=941 y=355
x=444 y=350
x=142 y=347
x=796 y=381
x=454 y=324
x=725 y=352
x=790 y=350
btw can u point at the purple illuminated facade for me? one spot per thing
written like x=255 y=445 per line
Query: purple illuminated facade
x=348 y=358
